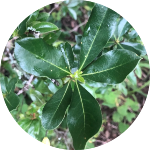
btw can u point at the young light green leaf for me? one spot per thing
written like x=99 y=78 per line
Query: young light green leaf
x=112 y=67
x=123 y=127
x=55 y=108
x=84 y=117
x=98 y=31
x=41 y=59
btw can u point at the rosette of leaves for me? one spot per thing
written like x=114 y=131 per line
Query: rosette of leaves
x=41 y=59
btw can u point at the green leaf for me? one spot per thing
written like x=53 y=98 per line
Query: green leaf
x=44 y=27
x=32 y=127
x=43 y=16
x=122 y=110
x=98 y=31
x=130 y=116
x=73 y=3
x=84 y=117
x=138 y=71
x=4 y=82
x=117 y=117
x=11 y=85
x=72 y=13
x=42 y=87
x=134 y=47
x=32 y=17
x=52 y=37
x=68 y=54
x=36 y=96
x=22 y=27
x=132 y=104
x=123 y=27
x=132 y=78
x=89 y=145
x=131 y=35
x=112 y=67
x=11 y=100
x=52 y=87
x=123 y=127
x=55 y=108
x=41 y=59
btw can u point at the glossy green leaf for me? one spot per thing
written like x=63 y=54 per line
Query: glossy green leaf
x=131 y=35
x=55 y=108
x=84 y=117
x=43 y=16
x=41 y=59
x=44 y=27
x=52 y=37
x=11 y=100
x=123 y=127
x=112 y=67
x=68 y=54
x=22 y=27
x=32 y=127
x=72 y=13
x=134 y=47
x=123 y=27
x=98 y=31
x=32 y=17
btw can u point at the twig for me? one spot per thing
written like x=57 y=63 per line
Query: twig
x=26 y=87
x=10 y=55
x=56 y=6
x=76 y=28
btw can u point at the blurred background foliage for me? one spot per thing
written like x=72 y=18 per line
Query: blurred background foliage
x=120 y=104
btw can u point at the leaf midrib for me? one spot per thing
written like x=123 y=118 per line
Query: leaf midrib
x=60 y=102
x=108 y=69
x=92 y=42
x=81 y=103
x=46 y=60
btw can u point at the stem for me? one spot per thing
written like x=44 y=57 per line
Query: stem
x=25 y=88
x=138 y=89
